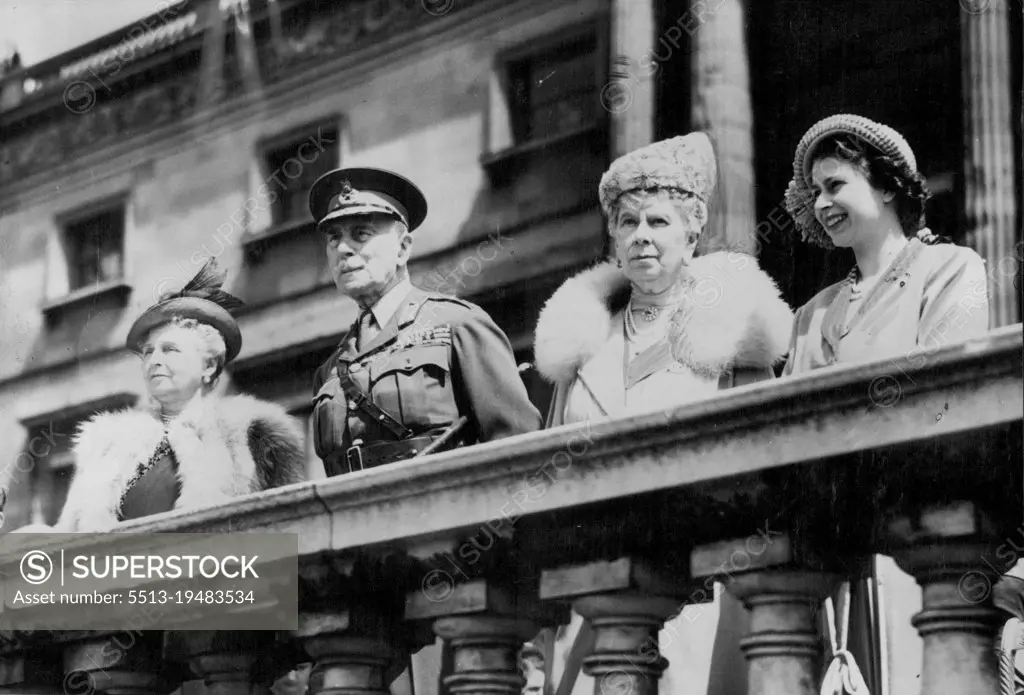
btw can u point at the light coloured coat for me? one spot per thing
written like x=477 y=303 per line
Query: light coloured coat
x=732 y=328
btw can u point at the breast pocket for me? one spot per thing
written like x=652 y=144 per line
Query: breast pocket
x=330 y=414
x=414 y=385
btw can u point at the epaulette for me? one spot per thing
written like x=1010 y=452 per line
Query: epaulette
x=437 y=296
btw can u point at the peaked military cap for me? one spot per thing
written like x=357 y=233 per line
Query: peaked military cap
x=363 y=191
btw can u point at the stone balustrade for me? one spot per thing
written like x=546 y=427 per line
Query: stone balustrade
x=789 y=485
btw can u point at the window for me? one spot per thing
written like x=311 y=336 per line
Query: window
x=95 y=247
x=48 y=450
x=554 y=91
x=293 y=164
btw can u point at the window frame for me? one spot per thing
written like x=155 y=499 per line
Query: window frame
x=595 y=29
x=117 y=204
x=293 y=137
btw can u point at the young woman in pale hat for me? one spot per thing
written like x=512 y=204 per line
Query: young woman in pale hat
x=656 y=328
x=856 y=185
x=186 y=448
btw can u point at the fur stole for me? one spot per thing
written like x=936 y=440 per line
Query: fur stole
x=225 y=447
x=732 y=316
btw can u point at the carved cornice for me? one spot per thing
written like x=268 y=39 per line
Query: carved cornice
x=100 y=114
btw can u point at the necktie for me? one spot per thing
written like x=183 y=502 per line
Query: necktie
x=368 y=329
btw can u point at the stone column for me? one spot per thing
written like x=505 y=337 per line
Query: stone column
x=485 y=652
x=629 y=94
x=784 y=648
x=989 y=188
x=228 y=662
x=625 y=659
x=23 y=672
x=721 y=106
x=353 y=653
x=128 y=663
x=958 y=622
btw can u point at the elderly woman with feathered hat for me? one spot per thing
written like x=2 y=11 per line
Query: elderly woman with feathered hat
x=657 y=327
x=186 y=447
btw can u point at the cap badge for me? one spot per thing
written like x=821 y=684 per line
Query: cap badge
x=344 y=197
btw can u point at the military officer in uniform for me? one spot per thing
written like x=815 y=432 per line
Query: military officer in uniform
x=418 y=371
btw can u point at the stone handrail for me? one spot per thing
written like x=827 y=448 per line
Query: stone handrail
x=485 y=545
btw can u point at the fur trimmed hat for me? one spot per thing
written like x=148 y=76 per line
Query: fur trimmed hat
x=799 y=197
x=686 y=163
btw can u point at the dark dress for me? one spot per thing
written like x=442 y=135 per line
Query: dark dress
x=154 y=488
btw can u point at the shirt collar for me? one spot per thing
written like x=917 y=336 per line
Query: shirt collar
x=387 y=305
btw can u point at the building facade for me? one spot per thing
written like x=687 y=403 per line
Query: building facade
x=196 y=132
x=129 y=165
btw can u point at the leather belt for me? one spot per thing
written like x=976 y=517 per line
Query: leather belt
x=361 y=457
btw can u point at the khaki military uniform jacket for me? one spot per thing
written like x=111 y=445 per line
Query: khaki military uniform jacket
x=437 y=359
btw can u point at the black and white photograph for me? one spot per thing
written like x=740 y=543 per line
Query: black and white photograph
x=511 y=347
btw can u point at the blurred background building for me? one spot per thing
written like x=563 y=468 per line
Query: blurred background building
x=196 y=132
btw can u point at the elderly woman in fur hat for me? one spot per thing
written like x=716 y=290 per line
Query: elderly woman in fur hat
x=658 y=327
x=186 y=448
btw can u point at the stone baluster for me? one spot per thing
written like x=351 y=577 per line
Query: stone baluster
x=484 y=624
x=783 y=648
x=782 y=584
x=23 y=672
x=990 y=201
x=952 y=560
x=625 y=604
x=626 y=659
x=126 y=663
x=228 y=662
x=486 y=652
x=357 y=650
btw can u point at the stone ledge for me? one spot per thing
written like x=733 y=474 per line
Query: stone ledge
x=746 y=431
x=113 y=287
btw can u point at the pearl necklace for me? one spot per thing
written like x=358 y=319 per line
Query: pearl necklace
x=649 y=314
x=651 y=311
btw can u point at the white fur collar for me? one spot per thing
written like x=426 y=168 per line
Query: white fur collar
x=733 y=316
x=225 y=447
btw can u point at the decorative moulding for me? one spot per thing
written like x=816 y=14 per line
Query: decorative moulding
x=114 y=288
x=504 y=165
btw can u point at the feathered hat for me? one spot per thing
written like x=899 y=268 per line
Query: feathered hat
x=685 y=162
x=201 y=299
